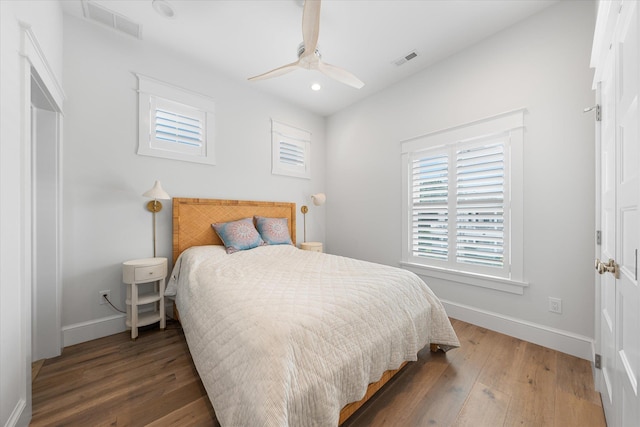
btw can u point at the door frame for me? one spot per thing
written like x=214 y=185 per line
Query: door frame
x=597 y=345
x=33 y=61
x=602 y=34
x=36 y=70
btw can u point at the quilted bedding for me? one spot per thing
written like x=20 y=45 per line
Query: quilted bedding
x=286 y=337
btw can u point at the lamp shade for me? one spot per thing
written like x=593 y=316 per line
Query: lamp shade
x=319 y=199
x=156 y=192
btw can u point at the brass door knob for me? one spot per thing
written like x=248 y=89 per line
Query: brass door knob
x=609 y=267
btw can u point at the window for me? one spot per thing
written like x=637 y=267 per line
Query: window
x=174 y=123
x=462 y=205
x=290 y=148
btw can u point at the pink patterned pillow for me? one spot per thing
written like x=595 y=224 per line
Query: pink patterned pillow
x=238 y=235
x=274 y=231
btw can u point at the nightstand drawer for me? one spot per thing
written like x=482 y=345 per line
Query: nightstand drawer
x=149 y=273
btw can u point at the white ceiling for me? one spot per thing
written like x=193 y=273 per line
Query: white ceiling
x=243 y=38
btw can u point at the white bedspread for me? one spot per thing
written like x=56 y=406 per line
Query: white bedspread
x=286 y=337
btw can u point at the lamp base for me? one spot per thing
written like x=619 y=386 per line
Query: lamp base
x=154 y=206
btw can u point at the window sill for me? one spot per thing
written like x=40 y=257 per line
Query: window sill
x=490 y=282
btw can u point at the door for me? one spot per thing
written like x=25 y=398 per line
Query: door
x=46 y=335
x=607 y=313
x=619 y=314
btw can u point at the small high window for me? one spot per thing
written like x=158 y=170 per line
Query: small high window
x=291 y=150
x=174 y=123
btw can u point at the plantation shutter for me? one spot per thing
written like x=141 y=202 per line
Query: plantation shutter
x=175 y=123
x=430 y=211
x=291 y=153
x=458 y=205
x=176 y=127
x=480 y=204
x=290 y=150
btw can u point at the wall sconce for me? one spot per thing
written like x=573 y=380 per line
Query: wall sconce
x=318 y=200
x=154 y=206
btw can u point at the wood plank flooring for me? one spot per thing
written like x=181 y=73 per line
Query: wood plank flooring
x=492 y=380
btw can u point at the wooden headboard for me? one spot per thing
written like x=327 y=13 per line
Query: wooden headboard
x=192 y=219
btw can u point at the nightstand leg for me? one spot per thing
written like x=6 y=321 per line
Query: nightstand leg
x=128 y=308
x=163 y=317
x=134 y=311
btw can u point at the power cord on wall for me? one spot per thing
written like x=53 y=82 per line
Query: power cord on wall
x=114 y=307
x=169 y=319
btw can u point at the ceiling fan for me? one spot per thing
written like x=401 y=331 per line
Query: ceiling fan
x=308 y=54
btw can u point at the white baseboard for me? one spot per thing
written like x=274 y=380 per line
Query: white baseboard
x=556 y=339
x=93 y=329
x=16 y=416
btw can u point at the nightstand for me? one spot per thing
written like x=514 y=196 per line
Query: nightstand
x=139 y=271
x=311 y=246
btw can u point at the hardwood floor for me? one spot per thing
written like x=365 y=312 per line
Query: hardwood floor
x=492 y=380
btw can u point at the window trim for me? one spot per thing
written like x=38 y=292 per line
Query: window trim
x=511 y=122
x=149 y=90
x=281 y=132
x=484 y=281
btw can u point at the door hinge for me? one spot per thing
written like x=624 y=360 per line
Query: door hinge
x=598 y=237
x=598 y=362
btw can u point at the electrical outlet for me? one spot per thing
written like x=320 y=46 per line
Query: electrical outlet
x=102 y=294
x=555 y=305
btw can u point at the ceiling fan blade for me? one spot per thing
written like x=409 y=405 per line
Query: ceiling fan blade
x=310 y=25
x=339 y=74
x=277 y=72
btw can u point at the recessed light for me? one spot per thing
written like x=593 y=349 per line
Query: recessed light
x=316 y=86
x=163 y=8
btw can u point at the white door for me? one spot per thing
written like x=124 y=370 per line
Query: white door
x=607 y=313
x=46 y=292
x=619 y=313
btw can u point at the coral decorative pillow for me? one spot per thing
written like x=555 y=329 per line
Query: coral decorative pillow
x=238 y=235
x=274 y=231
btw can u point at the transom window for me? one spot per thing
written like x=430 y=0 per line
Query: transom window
x=175 y=123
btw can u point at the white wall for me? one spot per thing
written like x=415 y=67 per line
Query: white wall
x=105 y=220
x=541 y=64
x=45 y=19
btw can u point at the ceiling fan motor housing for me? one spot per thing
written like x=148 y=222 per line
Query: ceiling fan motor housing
x=301 y=50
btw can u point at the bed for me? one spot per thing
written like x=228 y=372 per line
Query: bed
x=286 y=337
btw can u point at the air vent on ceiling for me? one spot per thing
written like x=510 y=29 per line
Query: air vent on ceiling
x=111 y=19
x=408 y=57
